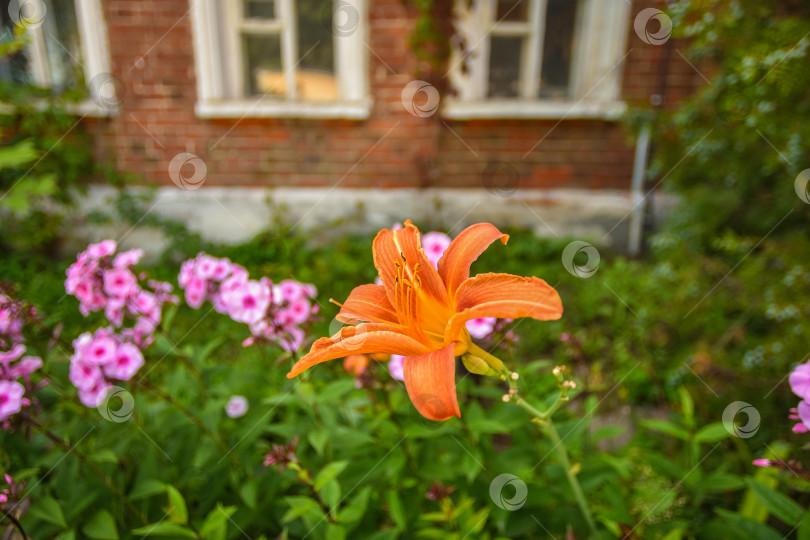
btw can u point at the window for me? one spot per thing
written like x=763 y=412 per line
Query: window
x=539 y=58
x=66 y=47
x=298 y=58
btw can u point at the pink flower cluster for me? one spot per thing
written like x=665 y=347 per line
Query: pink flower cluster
x=100 y=358
x=13 y=492
x=13 y=365
x=11 y=321
x=800 y=384
x=274 y=312
x=103 y=282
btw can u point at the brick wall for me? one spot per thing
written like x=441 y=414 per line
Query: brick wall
x=152 y=55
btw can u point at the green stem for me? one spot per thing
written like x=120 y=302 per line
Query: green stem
x=543 y=419
x=562 y=453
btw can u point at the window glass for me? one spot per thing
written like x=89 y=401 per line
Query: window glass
x=557 y=48
x=504 y=66
x=260 y=9
x=263 y=69
x=61 y=33
x=512 y=10
x=14 y=68
x=60 y=63
x=316 y=79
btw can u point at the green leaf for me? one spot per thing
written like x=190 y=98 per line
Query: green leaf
x=208 y=348
x=215 y=526
x=17 y=155
x=721 y=482
x=101 y=526
x=165 y=529
x=336 y=390
x=803 y=532
x=395 y=509
x=747 y=528
x=298 y=507
x=608 y=432
x=318 y=439
x=48 y=509
x=674 y=534
x=666 y=427
x=356 y=508
x=67 y=535
x=387 y=534
x=476 y=522
x=486 y=425
x=712 y=433
x=687 y=406
x=103 y=456
x=328 y=473
x=249 y=493
x=330 y=495
x=177 y=511
x=779 y=504
x=146 y=488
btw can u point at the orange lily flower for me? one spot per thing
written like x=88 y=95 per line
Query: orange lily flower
x=420 y=313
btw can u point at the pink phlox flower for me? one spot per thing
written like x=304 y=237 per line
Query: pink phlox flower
x=481 y=327
x=11 y=398
x=396 y=368
x=128 y=360
x=434 y=244
x=236 y=407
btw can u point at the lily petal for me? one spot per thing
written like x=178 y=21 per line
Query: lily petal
x=431 y=383
x=454 y=266
x=366 y=338
x=409 y=242
x=385 y=252
x=367 y=303
x=503 y=295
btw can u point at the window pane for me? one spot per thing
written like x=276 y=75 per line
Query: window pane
x=315 y=78
x=62 y=58
x=557 y=47
x=61 y=33
x=260 y=9
x=512 y=10
x=13 y=68
x=504 y=66
x=263 y=70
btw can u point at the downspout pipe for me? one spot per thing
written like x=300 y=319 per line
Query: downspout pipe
x=637 y=191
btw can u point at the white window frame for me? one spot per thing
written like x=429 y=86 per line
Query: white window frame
x=220 y=71
x=95 y=52
x=600 y=35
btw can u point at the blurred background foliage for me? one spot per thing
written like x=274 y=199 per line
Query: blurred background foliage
x=716 y=312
